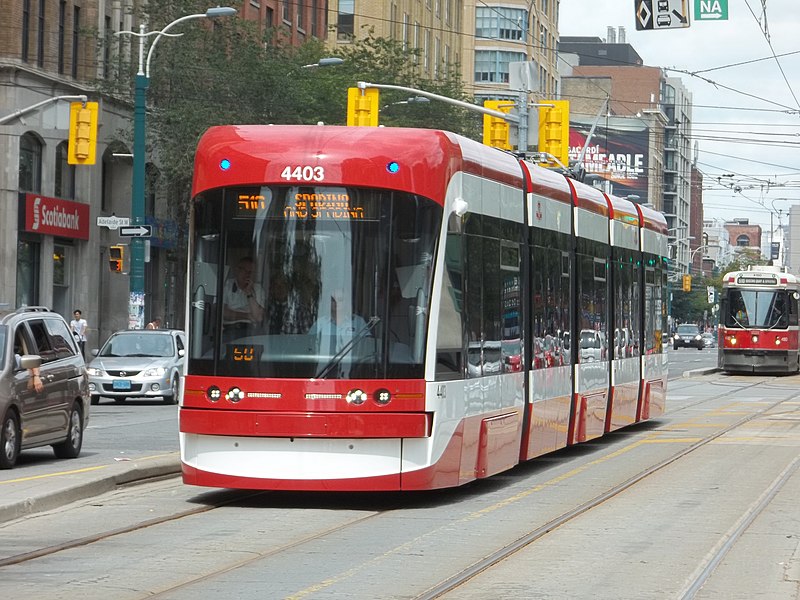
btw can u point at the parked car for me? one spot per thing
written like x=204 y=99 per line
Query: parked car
x=36 y=338
x=138 y=363
x=687 y=336
x=709 y=340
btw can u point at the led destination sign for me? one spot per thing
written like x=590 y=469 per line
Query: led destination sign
x=319 y=205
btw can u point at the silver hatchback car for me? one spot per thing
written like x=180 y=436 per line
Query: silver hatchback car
x=138 y=363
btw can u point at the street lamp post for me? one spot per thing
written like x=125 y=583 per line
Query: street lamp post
x=136 y=301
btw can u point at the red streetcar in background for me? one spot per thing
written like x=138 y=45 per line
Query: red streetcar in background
x=758 y=323
x=392 y=309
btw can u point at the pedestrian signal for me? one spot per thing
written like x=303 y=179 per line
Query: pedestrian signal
x=554 y=130
x=687 y=283
x=710 y=290
x=362 y=107
x=116 y=258
x=82 y=146
x=496 y=130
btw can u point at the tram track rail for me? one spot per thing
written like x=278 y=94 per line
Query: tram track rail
x=451 y=582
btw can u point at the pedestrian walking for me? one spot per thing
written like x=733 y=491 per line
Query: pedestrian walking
x=78 y=326
x=154 y=324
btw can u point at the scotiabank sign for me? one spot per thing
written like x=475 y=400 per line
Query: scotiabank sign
x=53 y=216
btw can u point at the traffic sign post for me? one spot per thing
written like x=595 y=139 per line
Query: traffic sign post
x=661 y=14
x=136 y=231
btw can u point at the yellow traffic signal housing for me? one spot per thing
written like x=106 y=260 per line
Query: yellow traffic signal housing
x=362 y=107
x=116 y=258
x=687 y=283
x=82 y=133
x=496 y=130
x=554 y=130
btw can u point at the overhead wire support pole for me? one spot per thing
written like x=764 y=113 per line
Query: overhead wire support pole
x=603 y=107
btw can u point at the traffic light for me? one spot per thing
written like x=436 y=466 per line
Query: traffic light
x=362 y=107
x=687 y=283
x=554 y=130
x=495 y=129
x=82 y=133
x=710 y=290
x=116 y=258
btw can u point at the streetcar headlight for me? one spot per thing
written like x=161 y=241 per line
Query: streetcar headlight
x=754 y=339
x=234 y=395
x=214 y=393
x=356 y=397
x=732 y=341
x=382 y=397
x=777 y=341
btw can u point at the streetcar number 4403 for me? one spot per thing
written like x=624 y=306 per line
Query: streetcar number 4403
x=306 y=173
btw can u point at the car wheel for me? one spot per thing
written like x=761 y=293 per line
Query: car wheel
x=95 y=399
x=173 y=397
x=71 y=447
x=10 y=440
x=675 y=347
x=120 y=400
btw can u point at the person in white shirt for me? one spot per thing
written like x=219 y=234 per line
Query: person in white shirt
x=243 y=299
x=341 y=324
x=78 y=326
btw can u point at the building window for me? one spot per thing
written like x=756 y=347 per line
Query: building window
x=40 y=40
x=30 y=164
x=315 y=18
x=500 y=23
x=107 y=49
x=492 y=65
x=287 y=17
x=743 y=241
x=26 y=27
x=65 y=173
x=76 y=27
x=62 y=24
x=344 y=20
x=405 y=32
x=27 y=272
x=301 y=23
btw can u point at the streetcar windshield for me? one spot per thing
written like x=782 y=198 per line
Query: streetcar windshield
x=311 y=281
x=757 y=309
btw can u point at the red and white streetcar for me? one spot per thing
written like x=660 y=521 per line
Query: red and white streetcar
x=758 y=325
x=405 y=309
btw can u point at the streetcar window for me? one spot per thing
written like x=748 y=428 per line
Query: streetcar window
x=763 y=309
x=311 y=281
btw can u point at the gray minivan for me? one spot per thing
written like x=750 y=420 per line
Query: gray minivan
x=34 y=337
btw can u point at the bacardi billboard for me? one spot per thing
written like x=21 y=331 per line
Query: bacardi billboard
x=617 y=153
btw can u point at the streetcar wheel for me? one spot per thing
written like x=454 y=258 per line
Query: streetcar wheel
x=71 y=447
x=10 y=440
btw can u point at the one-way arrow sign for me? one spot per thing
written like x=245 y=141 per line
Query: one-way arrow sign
x=136 y=231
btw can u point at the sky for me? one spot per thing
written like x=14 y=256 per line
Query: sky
x=746 y=102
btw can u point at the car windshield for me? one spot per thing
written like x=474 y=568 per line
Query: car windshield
x=589 y=340
x=688 y=330
x=138 y=344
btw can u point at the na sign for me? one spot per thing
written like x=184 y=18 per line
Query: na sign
x=711 y=10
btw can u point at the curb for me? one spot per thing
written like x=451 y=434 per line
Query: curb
x=706 y=371
x=93 y=484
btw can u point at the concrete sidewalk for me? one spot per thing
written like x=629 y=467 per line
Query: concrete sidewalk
x=24 y=493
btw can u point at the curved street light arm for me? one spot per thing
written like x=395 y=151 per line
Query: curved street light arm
x=473 y=107
x=32 y=107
